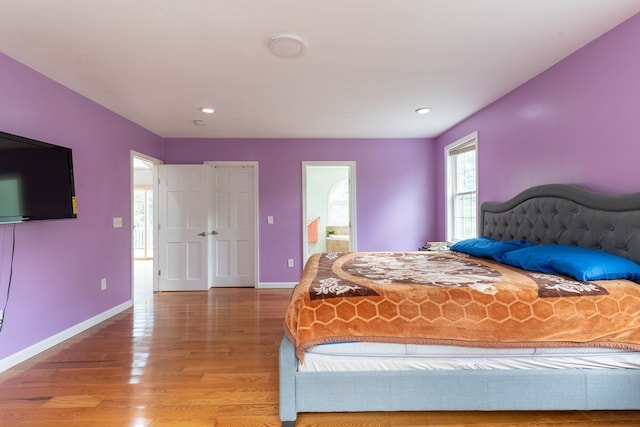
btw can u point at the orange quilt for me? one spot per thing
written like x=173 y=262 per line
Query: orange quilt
x=454 y=299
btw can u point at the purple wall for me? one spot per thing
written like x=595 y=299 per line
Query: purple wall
x=394 y=180
x=575 y=123
x=58 y=264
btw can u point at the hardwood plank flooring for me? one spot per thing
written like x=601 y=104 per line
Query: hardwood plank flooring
x=200 y=359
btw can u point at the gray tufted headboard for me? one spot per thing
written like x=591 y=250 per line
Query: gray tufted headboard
x=567 y=215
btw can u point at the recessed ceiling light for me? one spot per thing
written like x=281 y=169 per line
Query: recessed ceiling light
x=423 y=110
x=286 y=45
x=199 y=122
x=207 y=110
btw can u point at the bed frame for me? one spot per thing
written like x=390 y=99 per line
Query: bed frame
x=556 y=213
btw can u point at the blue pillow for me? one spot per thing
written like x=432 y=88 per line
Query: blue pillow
x=582 y=264
x=485 y=247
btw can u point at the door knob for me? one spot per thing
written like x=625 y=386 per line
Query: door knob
x=202 y=234
x=214 y=232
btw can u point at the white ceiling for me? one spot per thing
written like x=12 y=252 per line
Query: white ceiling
x=368 y=64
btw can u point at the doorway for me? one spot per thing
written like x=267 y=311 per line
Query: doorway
x=328 y=207
x=143 y=215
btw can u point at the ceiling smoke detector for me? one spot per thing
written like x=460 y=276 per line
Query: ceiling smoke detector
x=286 y=45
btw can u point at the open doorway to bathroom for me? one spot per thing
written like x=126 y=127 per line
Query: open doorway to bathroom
x=143 y=189
x=328 y=207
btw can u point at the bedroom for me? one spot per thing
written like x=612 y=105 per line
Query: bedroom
x=583 y=109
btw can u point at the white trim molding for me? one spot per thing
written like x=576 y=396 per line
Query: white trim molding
x=37 y=348
x=277 y=285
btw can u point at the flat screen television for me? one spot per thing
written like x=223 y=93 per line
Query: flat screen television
x=36 y=180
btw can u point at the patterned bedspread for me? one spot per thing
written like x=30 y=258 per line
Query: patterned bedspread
x=454 y=299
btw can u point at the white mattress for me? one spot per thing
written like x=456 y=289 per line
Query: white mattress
x=364 y=356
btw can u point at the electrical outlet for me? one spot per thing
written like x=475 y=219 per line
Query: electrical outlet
x=103 y=284
x=290 y=262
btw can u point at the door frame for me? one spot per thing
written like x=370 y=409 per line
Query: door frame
x=256 y=230
x=351 y=164
x=133 y=154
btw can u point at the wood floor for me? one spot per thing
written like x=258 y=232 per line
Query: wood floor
x=199 y=359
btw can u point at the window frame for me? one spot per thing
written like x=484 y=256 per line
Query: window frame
x=460 y=146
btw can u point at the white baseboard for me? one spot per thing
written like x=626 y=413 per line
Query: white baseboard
x=277 y=285
x=46 y=344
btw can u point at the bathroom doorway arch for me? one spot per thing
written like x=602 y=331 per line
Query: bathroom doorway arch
x=328 y=207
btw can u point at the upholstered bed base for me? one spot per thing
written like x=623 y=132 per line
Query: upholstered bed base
x=549 y=389
x=558 y=214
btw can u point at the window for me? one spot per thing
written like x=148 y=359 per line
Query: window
x=462 y=188
x=339 y=203
x=143 y=222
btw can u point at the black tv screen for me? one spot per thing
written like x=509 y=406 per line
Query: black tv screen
x=36 y=180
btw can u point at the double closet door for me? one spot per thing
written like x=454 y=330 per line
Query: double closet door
x=207 y=226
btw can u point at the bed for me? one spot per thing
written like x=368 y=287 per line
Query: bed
x=489 y=321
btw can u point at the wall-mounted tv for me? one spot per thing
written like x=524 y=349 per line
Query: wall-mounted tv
x=36 y=180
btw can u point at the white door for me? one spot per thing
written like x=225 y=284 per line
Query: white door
x=233 y=224
x=183 y=227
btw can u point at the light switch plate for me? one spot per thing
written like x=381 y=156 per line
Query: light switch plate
x=117 y=222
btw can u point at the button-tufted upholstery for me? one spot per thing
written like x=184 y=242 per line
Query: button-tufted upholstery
x=567 y=215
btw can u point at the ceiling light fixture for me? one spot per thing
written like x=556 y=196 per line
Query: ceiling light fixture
x=423 y=110
x=286 y=45
x=207 y=110
x=199 y=122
